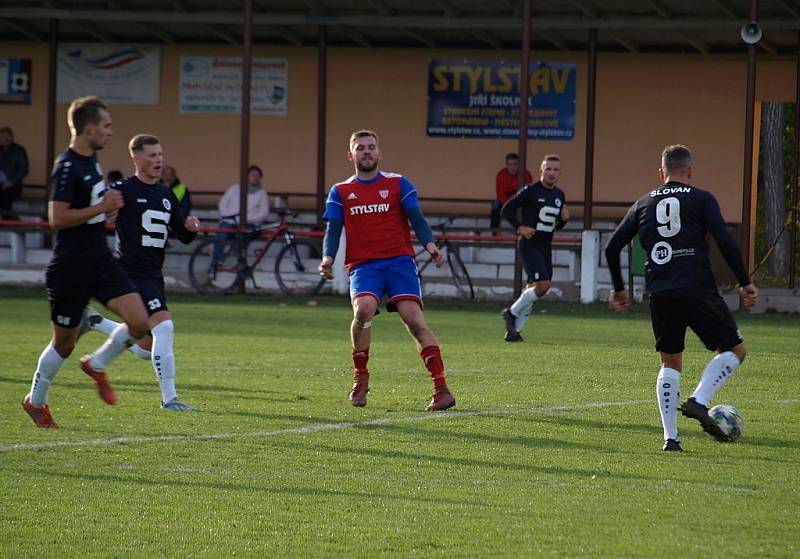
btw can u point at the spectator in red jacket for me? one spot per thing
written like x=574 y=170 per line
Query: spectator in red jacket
x=506 y=185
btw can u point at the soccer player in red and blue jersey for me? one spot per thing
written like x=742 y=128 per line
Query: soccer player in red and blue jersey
x=374 y=208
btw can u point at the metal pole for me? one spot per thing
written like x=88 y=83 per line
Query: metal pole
x=796 y=175
x=588 y=188
x=244 y=156
x=748 y=145
x=52 y=79
x=524 y=89
x=322 y=80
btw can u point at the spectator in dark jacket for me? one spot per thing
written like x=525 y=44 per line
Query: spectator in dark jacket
x=13 y=170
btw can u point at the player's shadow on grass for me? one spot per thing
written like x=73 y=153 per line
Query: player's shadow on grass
x=520 y=440
x=248 y=486
x=569 y=420
x=132 y=385
x=496 y=464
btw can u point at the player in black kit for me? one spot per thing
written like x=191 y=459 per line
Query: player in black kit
x=82 y=265
x=150 y=210
x=543 y=211
x=672 y=222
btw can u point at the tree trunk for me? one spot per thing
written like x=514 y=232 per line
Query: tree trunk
x=774 y=184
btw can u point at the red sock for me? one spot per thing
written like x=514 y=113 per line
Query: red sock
x=360 y=358
x=432 y=358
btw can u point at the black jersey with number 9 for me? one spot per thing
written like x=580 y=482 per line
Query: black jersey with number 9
x=672 y=222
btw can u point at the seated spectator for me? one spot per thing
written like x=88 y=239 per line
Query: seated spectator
x=13 y=170
x=506 y=185
x=257 y=208
x=114 y=176
x=169 y=176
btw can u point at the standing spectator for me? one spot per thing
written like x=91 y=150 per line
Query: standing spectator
x=257 y=208
x=169 y=176
x=506 y=185
x=13 y=170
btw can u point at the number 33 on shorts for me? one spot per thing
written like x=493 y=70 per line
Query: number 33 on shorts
x=154 y=304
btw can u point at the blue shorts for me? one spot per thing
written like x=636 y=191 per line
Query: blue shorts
x=394 y=277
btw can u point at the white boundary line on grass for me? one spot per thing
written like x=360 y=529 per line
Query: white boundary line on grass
x=319 y=427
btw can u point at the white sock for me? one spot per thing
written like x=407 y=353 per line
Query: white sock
x=523 y=305
x=117 y=342
x=668 y=391
x=164 y=359
x=715 y=375
x=140 y=352
x=105 y=326
x=47 y=367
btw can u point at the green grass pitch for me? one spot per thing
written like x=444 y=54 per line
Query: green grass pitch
x=553 y=449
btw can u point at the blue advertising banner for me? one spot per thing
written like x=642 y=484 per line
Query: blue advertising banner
x=480 y=99
x=15 y=80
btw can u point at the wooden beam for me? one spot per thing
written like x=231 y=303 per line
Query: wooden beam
x=419 y=37
x=357 y=37
x=620 y=38
x=725 y=8
x=695 y=42
x=23 y=29
x=482 y=23
x=222 y=33
x=788 y=7
x=156 y=31
x=486 y=38
x=380 y=7
x=96 y=31
x=553 y=40
x=290 y=36
x=659 y=8
x=513 y=6
x=768 y=46
x=448 y=8
x=583 y=6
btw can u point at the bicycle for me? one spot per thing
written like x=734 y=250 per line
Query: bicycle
x=458 y=270
x=238 y=261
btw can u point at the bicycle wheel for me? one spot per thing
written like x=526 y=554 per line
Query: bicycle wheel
x=296 y=268
x=221 y=278
x=460 y=275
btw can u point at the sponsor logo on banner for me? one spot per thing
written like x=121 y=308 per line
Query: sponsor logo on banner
x=119 y=74
x=480 y=99
x=213 y=84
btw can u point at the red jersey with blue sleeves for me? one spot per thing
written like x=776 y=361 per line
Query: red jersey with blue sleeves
x=375 y=222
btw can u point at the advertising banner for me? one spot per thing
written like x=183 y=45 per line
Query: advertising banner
x=480 y=99
x=119 y=74
x=15 y=80
x=213 y=84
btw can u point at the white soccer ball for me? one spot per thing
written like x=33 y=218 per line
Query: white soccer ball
x=729 y=420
